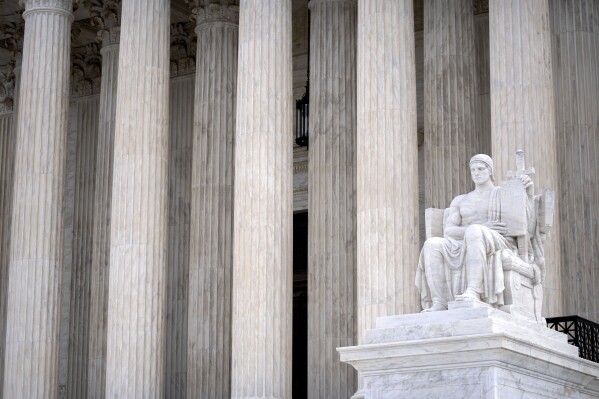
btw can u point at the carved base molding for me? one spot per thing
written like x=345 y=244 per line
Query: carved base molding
x=471 y=352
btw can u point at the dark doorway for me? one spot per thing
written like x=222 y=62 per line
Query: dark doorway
x=300 y=306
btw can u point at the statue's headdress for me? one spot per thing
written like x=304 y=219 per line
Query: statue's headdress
x=485 y=159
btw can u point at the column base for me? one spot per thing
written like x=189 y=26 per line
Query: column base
x=469 y=351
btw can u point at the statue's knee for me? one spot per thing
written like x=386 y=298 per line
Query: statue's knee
x=433 y=244
x=473 y=232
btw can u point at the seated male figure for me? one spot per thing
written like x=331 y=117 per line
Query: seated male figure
x=467 y=263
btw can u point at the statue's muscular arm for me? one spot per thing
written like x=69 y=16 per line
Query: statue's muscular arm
x=453 y=225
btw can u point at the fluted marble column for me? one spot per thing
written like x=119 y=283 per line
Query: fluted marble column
x=98 y=312
x=262 y=222
x=211 y=245
x=137 y=276
x=576 y=54
x=7 y=152
x=450 y=134
x=31 y=357
x=332 y=197
x=177 y=279
x=522 y=109
x=483 y=98
x=8 y=132
x=387 y=161
x=86 y=110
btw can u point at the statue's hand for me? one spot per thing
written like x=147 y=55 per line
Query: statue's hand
x=497 y=226
x=528 y=184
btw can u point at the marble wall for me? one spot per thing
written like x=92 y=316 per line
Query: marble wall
x=575 y=34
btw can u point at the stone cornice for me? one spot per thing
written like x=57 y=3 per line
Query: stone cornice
x=183 y=49
x=86 y=71
x=106 y=16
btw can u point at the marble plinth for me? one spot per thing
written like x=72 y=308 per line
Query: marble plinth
x=469 y=351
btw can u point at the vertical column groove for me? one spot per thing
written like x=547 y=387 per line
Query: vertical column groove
x=450 y=88
x=483 y=98
x=85 y=169
x=387 y=161
x=7 y=159
x=522 y=109
x=31 y=351
x=211 y=248
x=138 y=229
x=96 y=366
x=262 y=222
x=332 y=197
x=180 y=155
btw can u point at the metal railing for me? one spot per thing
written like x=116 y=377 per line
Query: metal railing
x=581 y=332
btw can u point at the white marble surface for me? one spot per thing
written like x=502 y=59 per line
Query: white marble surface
x=470 y=352
x=211 y=224
x=86 y=132
x=332 y=197
x=179 y=198
x=451 y=136
x=7 y=135
x=387 y=161
x=575 y=25
x=98 y=307
x=523 y=110
x=34 y=287
x=139 y=207
x=262 y=219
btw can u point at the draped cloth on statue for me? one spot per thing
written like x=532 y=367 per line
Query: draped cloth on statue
x=481 y=245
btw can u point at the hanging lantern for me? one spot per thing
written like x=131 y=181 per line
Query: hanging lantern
x=301 y=121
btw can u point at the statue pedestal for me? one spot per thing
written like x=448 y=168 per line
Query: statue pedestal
x=469 y=351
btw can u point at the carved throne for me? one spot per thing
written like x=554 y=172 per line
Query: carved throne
x=528 y=222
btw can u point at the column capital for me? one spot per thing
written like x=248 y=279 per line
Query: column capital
x=13 y=34
x=215 y=12
x=481 y=6
x=183 y=49
x=106 y=16
x=61 y=6
x=7 y=90
x=86 y=71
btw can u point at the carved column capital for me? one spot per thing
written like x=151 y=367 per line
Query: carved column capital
x=481 y=6
x=183 y=49
x=86 y=71
x=11 y=38
x=60 y=6
x=7 y=90
x=106 y=15
x=216 y=12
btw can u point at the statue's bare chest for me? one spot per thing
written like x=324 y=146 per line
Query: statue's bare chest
x=474 y=207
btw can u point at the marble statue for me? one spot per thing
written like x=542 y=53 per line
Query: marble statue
x=484 y=237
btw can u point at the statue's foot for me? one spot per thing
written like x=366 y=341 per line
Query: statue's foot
x=468 y=294
x=437 y=307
